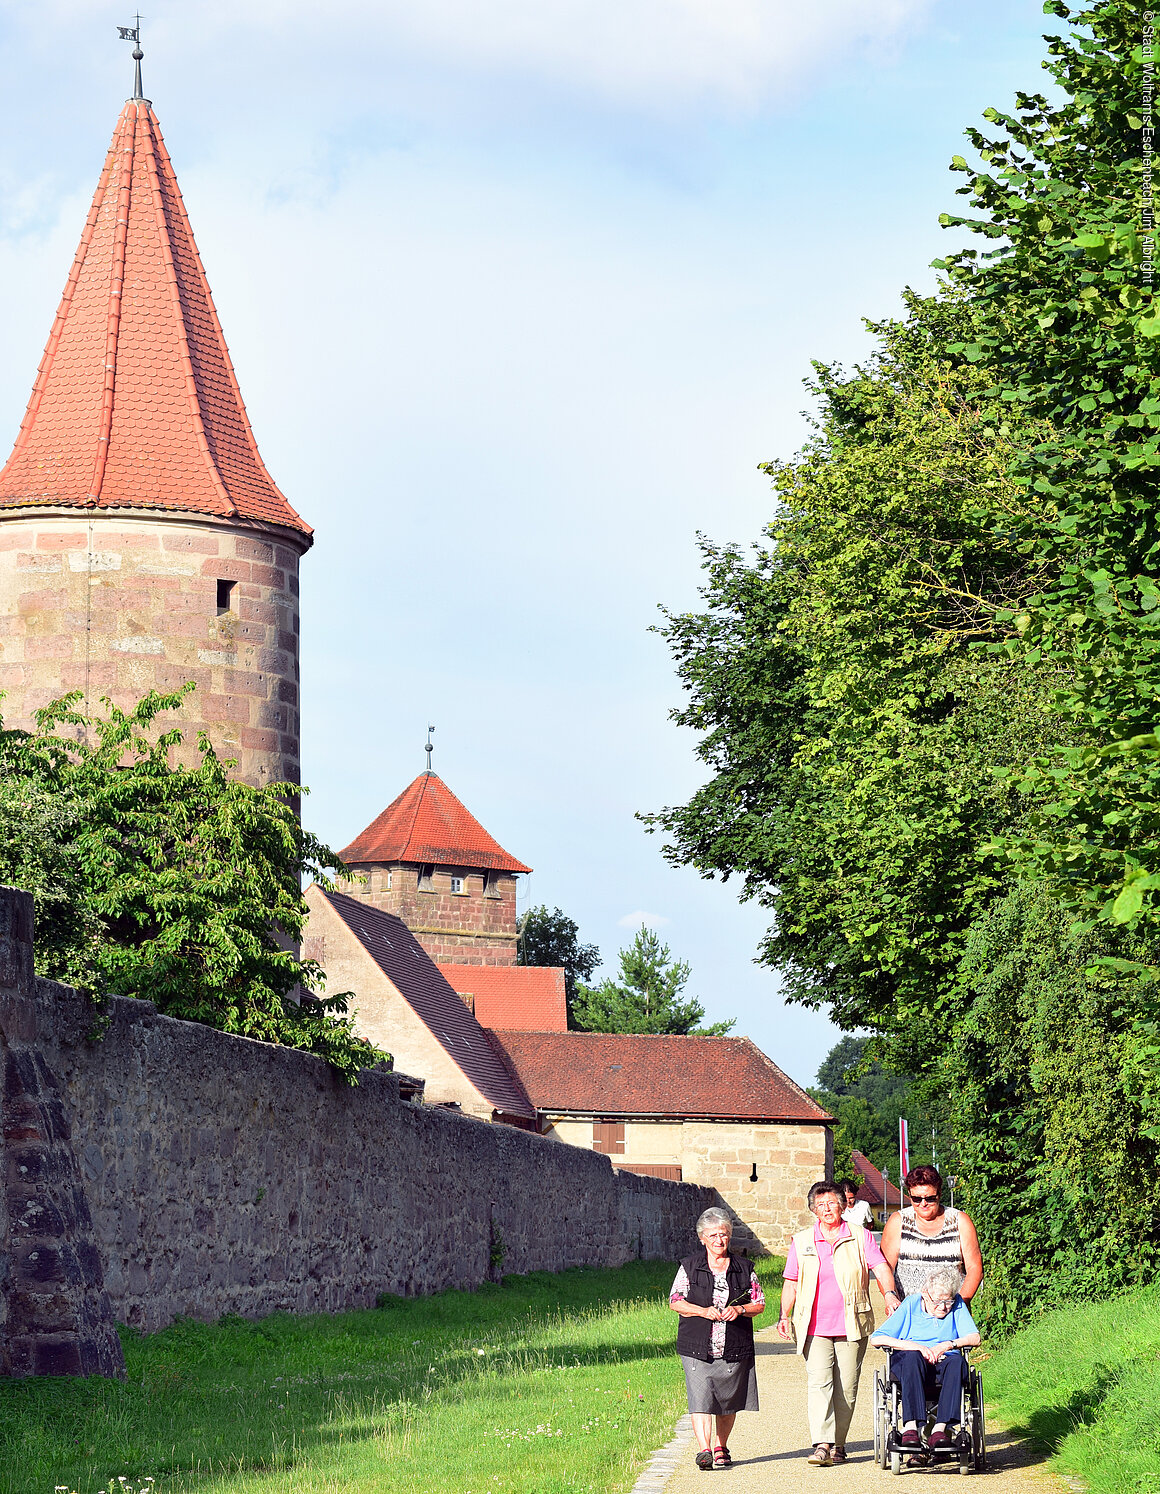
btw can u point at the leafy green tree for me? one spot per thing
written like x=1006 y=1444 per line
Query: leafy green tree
x=553 y=939
x=867 y=1102
x=849 y=726
x=1046 y=1084
x=178 y=885
x=647 y=997
x=1066 y=329
x=928 y=701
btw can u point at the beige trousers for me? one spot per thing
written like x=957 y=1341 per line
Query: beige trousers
x=832 y=1369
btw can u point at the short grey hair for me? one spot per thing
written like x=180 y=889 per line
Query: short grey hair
x=945 y=1279
x=714 y=1216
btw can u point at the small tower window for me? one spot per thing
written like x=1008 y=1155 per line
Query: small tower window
x=426 y=879
x=491 y=884
x=459 y=886
x=225 y=596
x=390 y=880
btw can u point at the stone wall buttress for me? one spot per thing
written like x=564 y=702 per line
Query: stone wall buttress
x=57 y=1319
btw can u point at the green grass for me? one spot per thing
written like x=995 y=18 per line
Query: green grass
x=550 y=1384
x=1084 y=1381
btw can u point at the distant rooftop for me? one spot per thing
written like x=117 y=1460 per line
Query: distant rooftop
x=613 y=1074
x=517 y=996
x=428 y=825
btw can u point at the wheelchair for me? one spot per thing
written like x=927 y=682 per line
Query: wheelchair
x=970 y=1440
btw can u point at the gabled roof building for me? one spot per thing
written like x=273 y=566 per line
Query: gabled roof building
x=405 y=1005
x=709 y=1110
x=142 y=541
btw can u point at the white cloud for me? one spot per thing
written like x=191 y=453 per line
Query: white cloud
x=656 y=55
x=646 y=50
x=649 y=920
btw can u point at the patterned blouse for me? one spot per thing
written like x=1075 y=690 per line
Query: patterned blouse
x=919 y=1254
x=680 y=1290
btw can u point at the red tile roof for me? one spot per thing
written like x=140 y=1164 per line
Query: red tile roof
x=528 y=997
x=429 y=825
x=874 y=1189
x=611 y=1074
x=413 y=973
x=136 y=404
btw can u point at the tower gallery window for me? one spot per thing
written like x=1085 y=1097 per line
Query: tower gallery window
x=225 y=597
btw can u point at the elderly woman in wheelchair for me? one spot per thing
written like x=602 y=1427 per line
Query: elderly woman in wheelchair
x=925 y=1336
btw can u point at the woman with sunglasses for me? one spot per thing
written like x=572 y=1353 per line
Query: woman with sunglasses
x=926 y=1235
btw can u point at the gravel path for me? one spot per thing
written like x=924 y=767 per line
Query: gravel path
x=769 y=1449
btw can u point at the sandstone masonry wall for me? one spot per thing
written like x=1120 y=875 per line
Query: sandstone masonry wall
x=476 y=926
x=787 y=1158
x=196 y=1173
x=119 y=604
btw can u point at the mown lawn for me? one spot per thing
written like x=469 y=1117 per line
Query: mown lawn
x=550 y=1384
x=1084 y=1381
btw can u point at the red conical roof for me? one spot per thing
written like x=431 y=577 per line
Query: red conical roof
x=136 y=404
x=429 y=825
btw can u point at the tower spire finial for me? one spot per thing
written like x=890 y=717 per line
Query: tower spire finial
x=133 y=34
x=430 y=747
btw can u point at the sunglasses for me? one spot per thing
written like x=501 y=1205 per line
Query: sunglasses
x=924 y=1198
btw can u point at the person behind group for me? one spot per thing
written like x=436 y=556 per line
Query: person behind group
x=924 y=1336
x=857 y=1211
x=717 y=1295
x=825 y=1307
x=927 y=1234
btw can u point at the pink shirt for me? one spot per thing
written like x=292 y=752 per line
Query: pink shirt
x=829 y=1311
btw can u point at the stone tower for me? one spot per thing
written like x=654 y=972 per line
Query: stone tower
x=428 y=860
x=142 y=541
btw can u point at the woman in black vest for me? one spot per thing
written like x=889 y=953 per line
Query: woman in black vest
x=717 y=1296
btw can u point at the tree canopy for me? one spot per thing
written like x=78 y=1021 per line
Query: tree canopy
x=647 y=996
x=927 y=698
x=553 y=939
x=179 y=885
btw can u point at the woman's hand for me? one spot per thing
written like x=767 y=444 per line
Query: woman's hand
x=785 y=1327
x=727 y=1314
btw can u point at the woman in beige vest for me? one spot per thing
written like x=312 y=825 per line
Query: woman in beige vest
x=825 y=1308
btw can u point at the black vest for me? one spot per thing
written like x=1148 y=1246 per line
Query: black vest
x=693 y=1333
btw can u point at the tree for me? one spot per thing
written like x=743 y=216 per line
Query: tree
x=1067 y=330
x=553 y=939
x=849 y=726
x=647 y=996
x=867 y=1101
x=928 y=701
x=179 y=885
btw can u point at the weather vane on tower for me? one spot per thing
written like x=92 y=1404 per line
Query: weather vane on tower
x=430 y=747
x=133 y=34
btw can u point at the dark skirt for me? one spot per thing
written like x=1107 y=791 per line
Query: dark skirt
x=719 y=1389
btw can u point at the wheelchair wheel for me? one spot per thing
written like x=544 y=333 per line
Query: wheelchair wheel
x=979 y=1422
x=879 y=1420
x=896 y=1461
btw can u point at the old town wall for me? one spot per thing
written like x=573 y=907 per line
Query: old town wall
x=183 y=1171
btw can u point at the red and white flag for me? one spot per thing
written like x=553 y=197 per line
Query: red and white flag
x=903 y=1149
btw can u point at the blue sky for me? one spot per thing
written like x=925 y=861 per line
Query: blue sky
x=520 y=294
